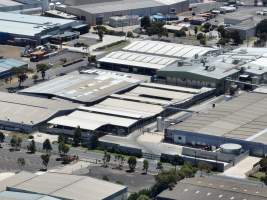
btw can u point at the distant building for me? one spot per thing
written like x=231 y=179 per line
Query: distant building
x=32 y=29
x=95 y=12
x=215 y=187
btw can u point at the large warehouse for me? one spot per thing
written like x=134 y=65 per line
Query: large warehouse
x=241 y=120
x=62 y=186
x=32 y=28
x=123 y=113
x=25 y=113
x=100 y=12
x=167 y=49
x=148 y=57
x=87 y=87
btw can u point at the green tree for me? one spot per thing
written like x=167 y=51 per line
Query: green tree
x=42 y=67
x=180 y=33
x=145 y=22
x=77 y=137
x=157 y=28
x=263 y=164
x=200 y=36
x=15 y=142
x=106 y=159
x=195 y=30
x=160 y=166
x=21 y=73
x=21 y=162
x=177 y=160
x=32 y=147
x=47 y=146
x=45 y=160
x=35 y=78
x=222 y=31
x=261 y=28
x=143 y=197
x=203 y=41
x=2 y=137
x=145 y=165
x=132 y=163
x=65 y=149
x=60 y=139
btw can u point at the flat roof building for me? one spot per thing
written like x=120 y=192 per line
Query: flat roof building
x=171 y=50
x=134 y=62
x=87 y=87
x=241 y=120
x=64 y=186
x=123 y=113
x=100 y=12
x=147 y=57
x=31 y=27
x=25 y=113
x=213 y=188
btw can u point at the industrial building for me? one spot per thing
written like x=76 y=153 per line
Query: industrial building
x=86 y=87
x=123 y=113
x=61 y=186
x=244 y=24
x=215 y=187
x=31 y=28
x=25 y=113
x=147 y=57
x=241 y=120
x=196 y=74
x=7 y=64
x=171 y=50
x=134 y=62
x=95 y=12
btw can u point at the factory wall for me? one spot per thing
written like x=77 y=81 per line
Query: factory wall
x=184 y=137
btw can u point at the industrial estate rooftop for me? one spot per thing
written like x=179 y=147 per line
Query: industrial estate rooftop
x=215 y=187
x=29 y=25
x=28 y=110
x=137 y=60
x=5 y=3
x=6 y=64
x=168 y=49
x=63 y=186
x=122 y=5
x=88 y=87
x=243 y=117
x=126 y=109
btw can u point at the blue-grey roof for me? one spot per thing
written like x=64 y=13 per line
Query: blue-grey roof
x=10 y=195
x=29 y=25
x=8 y=63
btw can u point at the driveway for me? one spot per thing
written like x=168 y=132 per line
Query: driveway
x=240 y=169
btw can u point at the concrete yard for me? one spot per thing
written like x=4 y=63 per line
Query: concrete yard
x=240 y=169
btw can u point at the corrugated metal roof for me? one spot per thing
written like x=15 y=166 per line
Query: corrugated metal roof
x=137 y=60
x=167 y=49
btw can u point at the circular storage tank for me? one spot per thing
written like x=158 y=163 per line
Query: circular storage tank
x=231 y=148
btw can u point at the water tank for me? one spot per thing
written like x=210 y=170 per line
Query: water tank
x=160 y=125
x=231 y=148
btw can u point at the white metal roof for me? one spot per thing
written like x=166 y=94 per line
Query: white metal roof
x=91 y=121
x=29 y=25
x=167 y=49
x=137 y=60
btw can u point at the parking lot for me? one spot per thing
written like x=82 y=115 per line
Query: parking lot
x=33 y=162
